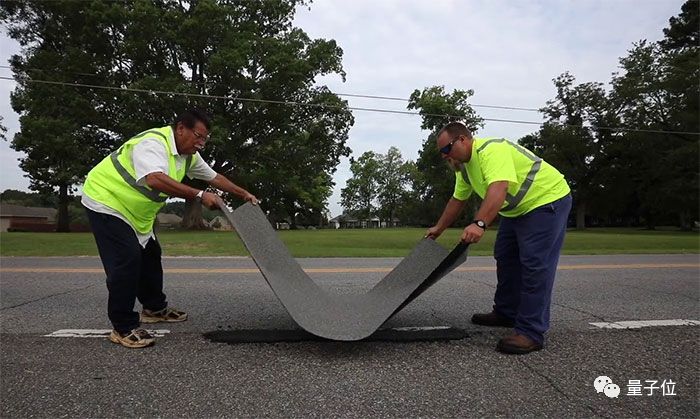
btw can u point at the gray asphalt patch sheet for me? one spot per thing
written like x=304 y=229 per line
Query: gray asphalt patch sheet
x=339 y=317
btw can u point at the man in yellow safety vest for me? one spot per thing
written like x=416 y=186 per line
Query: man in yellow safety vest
x=534 y=201
x=123 y=195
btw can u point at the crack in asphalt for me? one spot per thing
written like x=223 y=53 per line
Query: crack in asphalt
x=555 y=387
x=48 y=296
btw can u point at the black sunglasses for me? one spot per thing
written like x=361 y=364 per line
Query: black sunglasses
x=446 y=149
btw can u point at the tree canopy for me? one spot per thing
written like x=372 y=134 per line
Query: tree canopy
x=226 y=57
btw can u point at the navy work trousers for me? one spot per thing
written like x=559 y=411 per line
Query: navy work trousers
x=527 y=253
x=132 y=271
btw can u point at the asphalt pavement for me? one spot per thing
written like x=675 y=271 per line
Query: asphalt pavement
x=186 y=375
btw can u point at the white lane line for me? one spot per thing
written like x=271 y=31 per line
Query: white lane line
x=638 y=324
x=418 y=328
x=95 y=333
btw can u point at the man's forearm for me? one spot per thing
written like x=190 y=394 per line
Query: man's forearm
x=169 y=186
x=493 y=201
x=452 y=210
x=222 y=183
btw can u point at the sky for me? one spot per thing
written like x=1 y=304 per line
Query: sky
x=508 y=52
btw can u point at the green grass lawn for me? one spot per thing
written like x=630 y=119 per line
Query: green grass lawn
x=352 y=243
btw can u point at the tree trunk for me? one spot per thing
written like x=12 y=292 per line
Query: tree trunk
x=684 y=220
x=192 y=219
x=650 y=221
x=63 y=222
x=580 y=215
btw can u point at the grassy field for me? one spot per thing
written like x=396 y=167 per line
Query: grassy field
x=351 y=243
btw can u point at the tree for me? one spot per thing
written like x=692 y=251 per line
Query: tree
x=286 y=154
x=649 y=170
x=249 y=52
x=572 y=139
x=683 y=32
x=291 y=167
x=60 y=126
x=360 y=192
x=433 y=181
x=27 y=199
x=3 y=130
x=392 y=183
x=658 y=90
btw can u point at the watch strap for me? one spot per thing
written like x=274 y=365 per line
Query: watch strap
x=480 y=223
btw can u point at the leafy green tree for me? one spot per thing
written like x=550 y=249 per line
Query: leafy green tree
x=27 y=199
x=240 y=52
x=392 y=183
x=3 y=130
x=574 y=138
x=60 y=126
x=649 y=171
x=433 y=181
x=360 y=191
x=658 y=89
x=250 y=50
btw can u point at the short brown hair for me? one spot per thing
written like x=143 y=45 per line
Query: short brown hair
x=455 y=128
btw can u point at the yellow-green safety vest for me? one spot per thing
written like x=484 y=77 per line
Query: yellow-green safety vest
x=532 y=182
x=112 y=182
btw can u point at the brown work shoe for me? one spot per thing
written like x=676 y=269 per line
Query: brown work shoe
x=492 y=319
x=517 y=344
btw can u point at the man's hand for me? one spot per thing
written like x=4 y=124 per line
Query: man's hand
x=433 y=233
x=472 y=234
x=249 y=197
x=210 y=200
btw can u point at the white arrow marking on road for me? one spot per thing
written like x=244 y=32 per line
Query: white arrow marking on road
x=638 y=324
x=96 y=333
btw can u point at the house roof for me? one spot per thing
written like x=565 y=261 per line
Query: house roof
x=10 y=210
x=221 y=219
x=348 y=219
x=169 y=218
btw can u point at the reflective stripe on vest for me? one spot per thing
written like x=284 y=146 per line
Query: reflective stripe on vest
x=463 y=170
x=151 y=194
x=514 y=200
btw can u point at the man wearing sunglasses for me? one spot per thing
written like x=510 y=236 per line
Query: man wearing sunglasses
x=123 y=195
x=534 y=201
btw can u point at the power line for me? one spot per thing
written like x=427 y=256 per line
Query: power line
x=391 y=98
x=326 y=106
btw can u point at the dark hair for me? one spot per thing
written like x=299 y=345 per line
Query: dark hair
x=455 y=128
x=190 y=117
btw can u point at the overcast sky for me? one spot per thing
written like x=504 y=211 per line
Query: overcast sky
x=508 y=52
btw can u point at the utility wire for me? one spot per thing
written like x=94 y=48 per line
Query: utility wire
x=392 y=98
x=325 y=106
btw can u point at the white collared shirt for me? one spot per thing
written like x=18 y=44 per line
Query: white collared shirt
x=151 y=156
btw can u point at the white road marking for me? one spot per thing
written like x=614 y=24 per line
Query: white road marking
x=418 y=328
x=96 y=333
x=638 y=324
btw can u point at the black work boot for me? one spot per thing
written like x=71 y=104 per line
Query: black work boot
x=492 y=319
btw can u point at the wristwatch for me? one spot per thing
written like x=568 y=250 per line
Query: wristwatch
x=199 y=196
x=480 y=224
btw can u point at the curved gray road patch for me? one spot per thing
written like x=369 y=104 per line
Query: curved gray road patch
x=339 y=317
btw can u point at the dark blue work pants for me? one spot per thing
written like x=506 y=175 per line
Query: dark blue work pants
x=132 y=271
x=527 y=253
